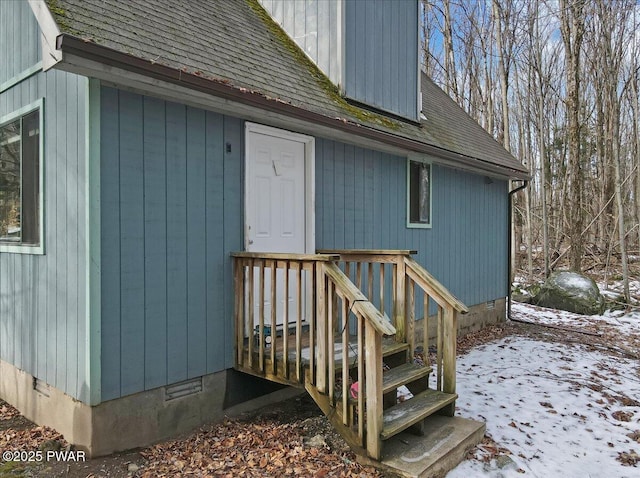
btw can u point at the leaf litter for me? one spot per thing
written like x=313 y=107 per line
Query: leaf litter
x=555 y=403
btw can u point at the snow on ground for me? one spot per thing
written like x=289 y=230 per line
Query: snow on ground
x=562 y=409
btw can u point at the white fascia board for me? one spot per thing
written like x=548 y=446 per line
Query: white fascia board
x=49 y=31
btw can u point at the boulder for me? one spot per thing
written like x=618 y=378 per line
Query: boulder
x=570 y=291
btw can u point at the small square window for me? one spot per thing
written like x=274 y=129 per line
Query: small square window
x=419 y=194
x=20 y=169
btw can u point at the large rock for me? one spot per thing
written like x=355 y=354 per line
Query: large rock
x=572 y=292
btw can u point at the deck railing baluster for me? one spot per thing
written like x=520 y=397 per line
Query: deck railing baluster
x=331 y=345
x=312 y=325
x=361 y=377
x=272 y=319
x=285 y=322
x=345 y=362
x=439 y=319
x=251 y=311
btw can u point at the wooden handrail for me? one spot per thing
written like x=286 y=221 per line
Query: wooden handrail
x=283 y=256
x=436 y=290
x=370 y=252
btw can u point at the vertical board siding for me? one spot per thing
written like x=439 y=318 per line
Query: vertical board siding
x=176 y=243
x=196 y=243
x=131 y=243
x=233 y=223
x=215 y=234
x=42 y=297
x=110 y=243
x=381 y=55
x=155 y=243
x=19 y=39
x=171 y=214
x=466 y=246
x=314 y=26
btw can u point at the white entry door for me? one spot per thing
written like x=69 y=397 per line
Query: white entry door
x=278 y=203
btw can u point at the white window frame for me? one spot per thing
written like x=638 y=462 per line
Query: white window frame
x=30 y=248
x=425 y=160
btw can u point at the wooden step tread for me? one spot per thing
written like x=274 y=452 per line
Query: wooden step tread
x=403 y=415
x=390 y=347
x=402 y=375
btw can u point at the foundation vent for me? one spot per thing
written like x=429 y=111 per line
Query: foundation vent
x=183 y=389
x=40 y=386
x=491 y=304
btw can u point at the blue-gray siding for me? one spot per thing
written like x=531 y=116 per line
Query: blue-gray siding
x=19 y=39
x=381 y=54
x=361 y=203
x=171 y=199
x=42 y=297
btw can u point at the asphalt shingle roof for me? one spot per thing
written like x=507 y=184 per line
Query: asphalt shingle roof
x=235 y=42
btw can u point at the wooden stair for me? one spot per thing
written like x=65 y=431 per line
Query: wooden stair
x=401 y=416
x=402 y=375
x=343 y=336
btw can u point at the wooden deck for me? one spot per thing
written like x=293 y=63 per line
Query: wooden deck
x=357 y=307
x=277 y=372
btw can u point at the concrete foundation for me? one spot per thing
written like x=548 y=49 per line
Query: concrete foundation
x=478 y=317
x=444 y=445
x=147 y=417
x=140 y=419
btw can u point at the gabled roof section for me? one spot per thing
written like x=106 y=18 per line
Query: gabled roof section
x=453 y=129
x=234 y=48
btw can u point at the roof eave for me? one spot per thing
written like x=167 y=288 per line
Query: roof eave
x=218 y=87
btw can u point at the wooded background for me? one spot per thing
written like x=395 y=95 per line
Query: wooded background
x=556 y=82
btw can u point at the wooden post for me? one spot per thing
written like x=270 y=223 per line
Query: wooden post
x=361 y=378
x=238 y=279
x=449 y=357
x=285 y=322
x=321 y=327
x=382 y=288
x=345 y=362
x=439 y=348
x=401 y=313
x=250 y=312
x=331 y=340
x=261 y=316
x=425 y=326
x=394 y=297
x=373 y=389
x=312 y=326
x=273 y=320
x=449 y=352
x=410 y=314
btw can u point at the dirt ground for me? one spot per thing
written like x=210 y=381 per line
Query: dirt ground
x=291 y=438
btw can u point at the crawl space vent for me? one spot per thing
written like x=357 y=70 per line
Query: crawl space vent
x=491 y=304
x=183 y=389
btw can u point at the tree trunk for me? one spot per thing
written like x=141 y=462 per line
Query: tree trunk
x=572 y=29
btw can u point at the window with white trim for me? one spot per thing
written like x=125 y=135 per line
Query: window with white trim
x=418 y=193
x=20 y=179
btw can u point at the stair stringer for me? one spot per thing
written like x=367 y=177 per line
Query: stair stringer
x=335 y=418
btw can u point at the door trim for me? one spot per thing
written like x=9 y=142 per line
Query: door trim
x=309 y=178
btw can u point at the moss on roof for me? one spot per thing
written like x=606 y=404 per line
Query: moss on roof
x=237 y=43
x=325 y=83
